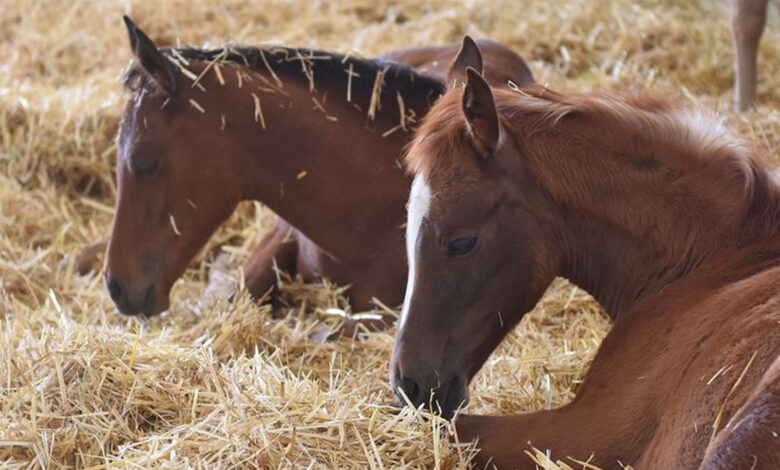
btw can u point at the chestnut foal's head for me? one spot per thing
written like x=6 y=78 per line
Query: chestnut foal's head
x=476 y=246
x=175 y=186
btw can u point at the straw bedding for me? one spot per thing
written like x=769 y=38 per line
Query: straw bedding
x=219 y=384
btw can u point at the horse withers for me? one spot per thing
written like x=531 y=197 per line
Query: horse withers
x=669 y=221
x=315 y=136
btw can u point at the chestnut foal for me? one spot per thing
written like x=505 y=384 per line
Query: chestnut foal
x=315 y=136
x=669 y=221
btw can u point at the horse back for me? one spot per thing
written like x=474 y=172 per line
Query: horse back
x=500 y=63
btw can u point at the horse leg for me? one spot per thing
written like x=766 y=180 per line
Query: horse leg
x=751 y=439
x=748 y=18
x=598 y=434
x=277 y=249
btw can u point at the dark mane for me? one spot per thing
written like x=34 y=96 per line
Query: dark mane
x=313 y=65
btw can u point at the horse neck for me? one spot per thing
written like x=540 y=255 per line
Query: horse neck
x=320 y=162
x=637 y=212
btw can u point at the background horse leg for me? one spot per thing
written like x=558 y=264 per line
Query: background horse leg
x=751 y=439
x=279 y=247
x=748 y=18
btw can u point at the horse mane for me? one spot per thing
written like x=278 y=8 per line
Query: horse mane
x=310 y=64
x=699 y=140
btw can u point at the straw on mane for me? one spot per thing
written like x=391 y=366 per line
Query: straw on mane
x=681 y=140
x=288 y=60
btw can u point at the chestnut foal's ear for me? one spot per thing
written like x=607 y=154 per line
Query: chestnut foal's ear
x=151 y=59
x=480 y=111
x=468 y=56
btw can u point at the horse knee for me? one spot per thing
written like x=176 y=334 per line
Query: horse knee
x=274 y=252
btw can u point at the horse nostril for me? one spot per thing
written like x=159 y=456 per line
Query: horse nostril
x=114 y=289
x=411 y=389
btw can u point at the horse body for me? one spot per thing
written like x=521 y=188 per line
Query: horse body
x=315 y=136
x=667 y=220
x=500 y=63
x=649 y=398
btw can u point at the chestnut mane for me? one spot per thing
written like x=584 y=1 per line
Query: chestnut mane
x=682 y=140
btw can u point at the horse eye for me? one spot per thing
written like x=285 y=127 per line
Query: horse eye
x=461 y=246
x=145 y=170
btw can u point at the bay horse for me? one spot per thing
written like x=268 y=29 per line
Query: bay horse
x=669 y=221
x=315 y=136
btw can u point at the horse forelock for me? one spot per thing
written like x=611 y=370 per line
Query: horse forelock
x=440 y=138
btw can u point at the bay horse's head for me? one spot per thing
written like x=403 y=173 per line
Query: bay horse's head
x=174 y=189
x=476 y=247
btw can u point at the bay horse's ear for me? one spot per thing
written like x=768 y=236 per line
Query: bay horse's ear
x=480 y=111
x=468 y=56
x=151 y=59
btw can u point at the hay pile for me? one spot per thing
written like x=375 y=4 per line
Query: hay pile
x=224 y=385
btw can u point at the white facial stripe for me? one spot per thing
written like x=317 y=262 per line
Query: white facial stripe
x=419 y=203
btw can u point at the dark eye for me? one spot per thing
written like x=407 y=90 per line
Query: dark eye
x=461 y=246
x=145 y=169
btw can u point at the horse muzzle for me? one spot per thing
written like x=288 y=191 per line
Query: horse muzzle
x=443 y=397
x=141 y=300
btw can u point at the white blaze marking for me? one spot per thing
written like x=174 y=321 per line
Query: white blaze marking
x=419 y=203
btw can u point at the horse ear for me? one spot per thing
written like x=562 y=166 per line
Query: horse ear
x=480 y=111
x=151 y=59
x=468 y=56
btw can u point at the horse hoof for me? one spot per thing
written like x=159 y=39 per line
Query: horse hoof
x=222 y=286
x=322 y=335
x=327 y=334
